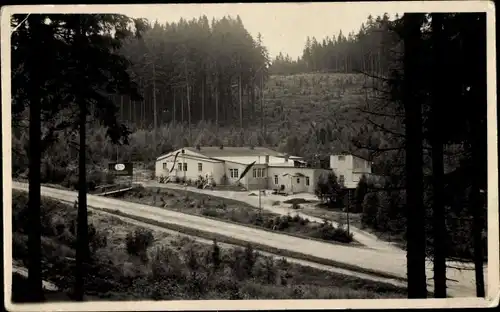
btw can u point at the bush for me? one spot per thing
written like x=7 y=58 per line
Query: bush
x=166 y=265
x=138 y=242
x=295 y=206
x=210 y=212
x=326 y=231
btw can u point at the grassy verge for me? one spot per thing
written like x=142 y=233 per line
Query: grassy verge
x=238 y=242
x=134 y=263
x=340 y=216
x=237 y=212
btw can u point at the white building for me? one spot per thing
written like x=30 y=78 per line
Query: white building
x=272 y=170
x=349 y=169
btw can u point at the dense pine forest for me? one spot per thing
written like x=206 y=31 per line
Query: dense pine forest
x=398 y=92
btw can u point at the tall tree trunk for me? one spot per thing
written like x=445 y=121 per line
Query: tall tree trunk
x=241 y=106
x=477 y=206
x=188 y=97
x=475 y=43
x=417 y=286
x=182 y=111
x=174 y=113
x=439 y=224
x=82 y=240
x=35 y=84
x=121 y=108
x=262 y=126
x=217 y=106
x=155 y=116
x=203 y=99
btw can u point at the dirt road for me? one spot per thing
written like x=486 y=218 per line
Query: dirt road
x=381 y=260
x=361 y=236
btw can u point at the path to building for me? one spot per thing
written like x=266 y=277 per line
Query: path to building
x=267 y=201
x=389 y=262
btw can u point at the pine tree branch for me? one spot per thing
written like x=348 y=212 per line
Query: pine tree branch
x=378 y=114
x=385 y=129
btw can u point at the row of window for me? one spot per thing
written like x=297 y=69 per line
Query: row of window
x=234 y=173
x=259 y=173
x=276 y=182
x=183 y=166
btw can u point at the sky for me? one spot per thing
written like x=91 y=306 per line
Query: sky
x=284 y=26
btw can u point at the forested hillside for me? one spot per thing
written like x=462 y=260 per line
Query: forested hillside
x=408 y=93
x=208 y=82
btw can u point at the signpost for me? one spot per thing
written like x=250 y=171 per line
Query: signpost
x=122 y=170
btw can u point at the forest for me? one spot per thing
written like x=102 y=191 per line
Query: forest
x=385 y=93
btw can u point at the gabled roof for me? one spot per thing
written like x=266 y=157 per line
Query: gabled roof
x=230 y=151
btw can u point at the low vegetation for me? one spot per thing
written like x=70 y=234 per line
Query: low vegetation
x=135 y=263
x=229 y=210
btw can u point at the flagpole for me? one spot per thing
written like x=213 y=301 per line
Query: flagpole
x=260 y=207
x=185 y=184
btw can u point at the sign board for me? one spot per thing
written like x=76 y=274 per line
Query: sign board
x=121 y=169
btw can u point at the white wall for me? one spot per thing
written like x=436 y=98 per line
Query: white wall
x=352 y=168
x=254 y=181
x=257 y=159
x=213 y=168
x=291 y=184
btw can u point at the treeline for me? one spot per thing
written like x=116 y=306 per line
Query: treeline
x=195 y=70
x=436 y=173
x=368 y=51
x=63 y=67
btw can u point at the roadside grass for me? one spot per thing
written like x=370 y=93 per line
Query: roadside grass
x=339 y=216
x=238 y=212
x=163 y=266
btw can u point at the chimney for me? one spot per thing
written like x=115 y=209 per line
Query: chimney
x=286 y=158
x=221 y=147
x=198 y=147
x=251 y=147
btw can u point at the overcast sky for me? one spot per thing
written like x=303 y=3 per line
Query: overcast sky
x=284 y=26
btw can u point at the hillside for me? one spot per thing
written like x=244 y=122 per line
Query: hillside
x=304 y=98
x=305 y=114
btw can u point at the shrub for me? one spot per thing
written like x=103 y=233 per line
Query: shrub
x=138 y=242
x=210 y=212
x=326 y=231
x=166 y=265
x=97 y=239
x=250 y=258
x=215 y=255
x=295 y=206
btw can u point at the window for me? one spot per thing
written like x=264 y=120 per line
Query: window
x=307 y=181
x=200 y=167
x=259 y=172
x=263 y=172
x=233 y=173
x=255 y=173
x=341 y=179
x=341 y=158
x=298 y=180
x=276 y=179
x=165 y=165
x=179 y=166
x=185 y=167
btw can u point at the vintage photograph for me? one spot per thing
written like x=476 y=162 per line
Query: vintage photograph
x=247 y=152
